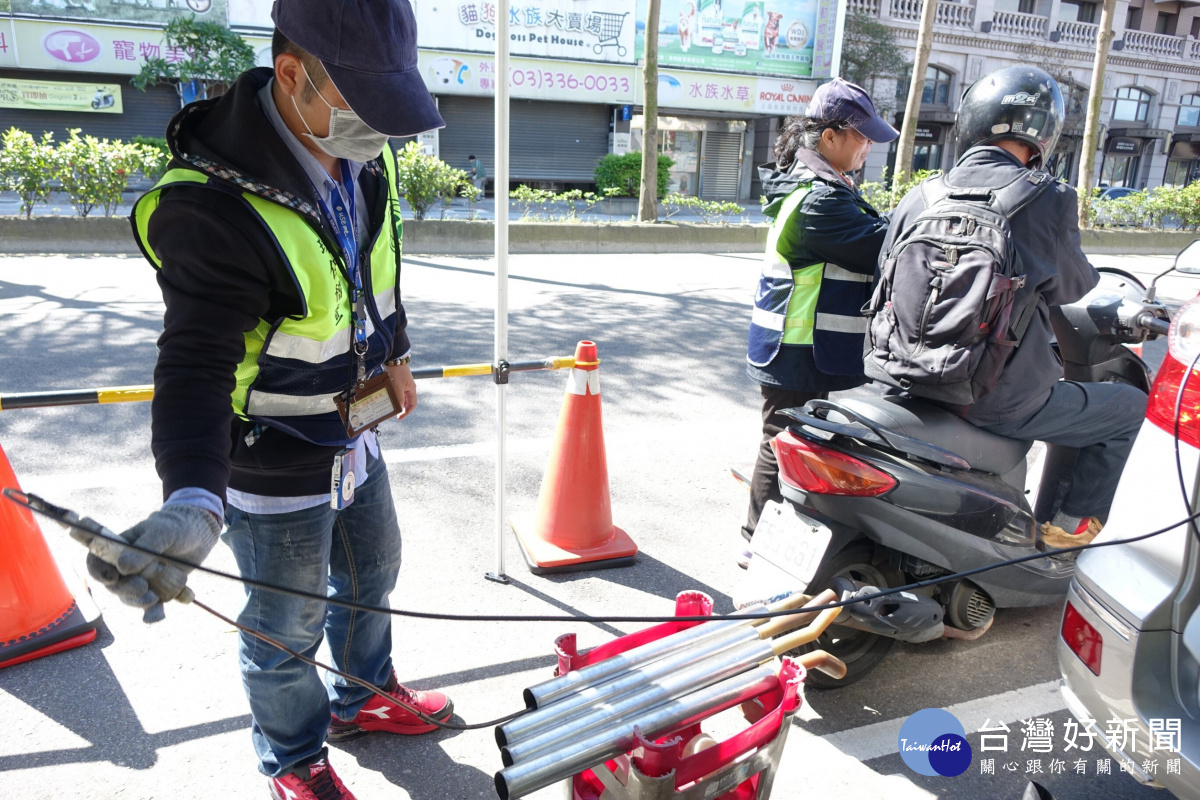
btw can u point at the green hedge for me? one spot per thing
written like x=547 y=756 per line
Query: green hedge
x=624 y=174
x=1160 y=207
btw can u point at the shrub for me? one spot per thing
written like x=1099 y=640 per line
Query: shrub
x=156 y=156
x=624 y=174
x=27 y=166
x=884 y=196
x=95 y=172
x=424 y=180
x=709 y=211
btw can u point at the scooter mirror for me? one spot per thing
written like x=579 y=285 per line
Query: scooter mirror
x=1188 y=260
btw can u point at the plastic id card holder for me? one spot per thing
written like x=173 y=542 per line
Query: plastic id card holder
x=371 y=403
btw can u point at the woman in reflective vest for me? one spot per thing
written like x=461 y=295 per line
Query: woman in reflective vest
x=806 y=327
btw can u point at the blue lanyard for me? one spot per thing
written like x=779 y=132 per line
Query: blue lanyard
x=341 y=216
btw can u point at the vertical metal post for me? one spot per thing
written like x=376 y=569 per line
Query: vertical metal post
x=500 y=367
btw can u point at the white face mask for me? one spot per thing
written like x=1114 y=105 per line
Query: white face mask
x=349 y=137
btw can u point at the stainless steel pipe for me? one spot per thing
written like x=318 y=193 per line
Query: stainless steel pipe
x=632 y=680
x=548 y=691
x=608 y=742
x=667 y=687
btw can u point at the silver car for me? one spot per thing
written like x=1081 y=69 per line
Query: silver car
x=1129 y=646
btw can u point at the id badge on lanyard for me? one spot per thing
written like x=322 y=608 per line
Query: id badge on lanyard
x=368 y=402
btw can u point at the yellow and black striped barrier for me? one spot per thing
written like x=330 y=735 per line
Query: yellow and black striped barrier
x=137 y=394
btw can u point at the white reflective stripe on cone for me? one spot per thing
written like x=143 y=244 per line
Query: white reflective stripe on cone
x=834 y=272
x=313 y=351
x=766 y=319
x=839 y=324
x=269 y=404
x=584 y=382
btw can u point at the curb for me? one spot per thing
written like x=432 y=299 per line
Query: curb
x=111 y=236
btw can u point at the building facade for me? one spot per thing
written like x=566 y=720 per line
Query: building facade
x=1150 y=109
x=727 y=74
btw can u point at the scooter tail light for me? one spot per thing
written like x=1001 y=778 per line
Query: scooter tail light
x=812 y=468
x=1183 y=345
x=1084 y=640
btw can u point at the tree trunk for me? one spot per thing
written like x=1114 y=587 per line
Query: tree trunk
x=916 y=87
x=648 y=207
x=1091 y=127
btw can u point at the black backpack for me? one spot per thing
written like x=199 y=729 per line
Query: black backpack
x=942 y=319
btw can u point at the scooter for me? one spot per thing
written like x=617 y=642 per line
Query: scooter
x=102 y=99
x=887 y=491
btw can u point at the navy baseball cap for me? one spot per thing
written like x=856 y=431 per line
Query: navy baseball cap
x=842 y=101
x=369 y=49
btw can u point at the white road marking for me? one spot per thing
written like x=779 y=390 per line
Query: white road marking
x=879 y=739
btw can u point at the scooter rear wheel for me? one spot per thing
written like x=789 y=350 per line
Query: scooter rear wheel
x=861 y=651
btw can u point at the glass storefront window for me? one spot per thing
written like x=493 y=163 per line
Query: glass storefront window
x=937 y=86
x=684 y=148
x=1060 y=164
x=927 y=156
x=1119 y=170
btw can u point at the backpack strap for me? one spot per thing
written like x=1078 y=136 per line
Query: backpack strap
x=1010 y=200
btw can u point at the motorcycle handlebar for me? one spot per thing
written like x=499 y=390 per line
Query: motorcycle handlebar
x=1153 y=323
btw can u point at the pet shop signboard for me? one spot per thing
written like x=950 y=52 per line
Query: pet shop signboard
x=576 y=30
x=157 y=12
x=767 y=37
x=528 y=78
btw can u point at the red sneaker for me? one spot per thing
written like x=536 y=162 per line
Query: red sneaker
x=315 y=780
x=381 y=715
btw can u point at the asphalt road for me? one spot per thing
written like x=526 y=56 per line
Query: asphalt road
x=157 y=711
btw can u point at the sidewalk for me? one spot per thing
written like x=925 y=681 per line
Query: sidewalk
x=59 y=205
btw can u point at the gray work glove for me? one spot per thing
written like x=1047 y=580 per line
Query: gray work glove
x=138 y=579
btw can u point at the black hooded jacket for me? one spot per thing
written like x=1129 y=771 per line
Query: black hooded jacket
x=221 y=274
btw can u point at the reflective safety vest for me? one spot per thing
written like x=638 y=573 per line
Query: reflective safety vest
x=294 y=367
x=817 y=305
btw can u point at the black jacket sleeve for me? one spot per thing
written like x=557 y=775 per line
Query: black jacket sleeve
x=216 y=284
x=1074 y=274
x=836 y=229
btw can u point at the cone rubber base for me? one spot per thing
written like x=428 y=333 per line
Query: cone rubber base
x=73 y=629
x=544 y=558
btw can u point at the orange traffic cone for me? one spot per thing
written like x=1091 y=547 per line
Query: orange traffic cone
x=573 y=528
x=38 y=615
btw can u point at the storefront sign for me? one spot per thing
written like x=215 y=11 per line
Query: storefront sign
x=772 y=37
x=783 y=97
x=250 y=13
x=429 y=142
x=102 y=98
x=704 y=91
x=142 y=11
x=620 y=143
x=929 y=133
x=446 y=73
x=580 y=30
x=95 y=48
x=1124 y=146
x=8 y=47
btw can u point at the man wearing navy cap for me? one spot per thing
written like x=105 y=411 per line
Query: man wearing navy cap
x=276 y=237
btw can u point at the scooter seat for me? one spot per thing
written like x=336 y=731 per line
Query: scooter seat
x=931 y=423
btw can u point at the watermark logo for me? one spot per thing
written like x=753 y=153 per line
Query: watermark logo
x=933 y=742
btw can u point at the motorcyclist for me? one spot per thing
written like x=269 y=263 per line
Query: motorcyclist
x=806 y=329
x=1008 y=123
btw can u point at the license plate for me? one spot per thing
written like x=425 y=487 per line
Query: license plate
x=788 y=546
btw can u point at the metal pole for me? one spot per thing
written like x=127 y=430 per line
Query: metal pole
x=598 y=746
x=501 y=198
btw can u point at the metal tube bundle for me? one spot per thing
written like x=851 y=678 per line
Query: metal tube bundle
x=587 y=716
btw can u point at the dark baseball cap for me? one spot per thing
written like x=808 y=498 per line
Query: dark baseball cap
x=842 y=101
x=369 y=49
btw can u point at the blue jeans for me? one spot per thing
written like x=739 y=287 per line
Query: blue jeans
x=353 y=554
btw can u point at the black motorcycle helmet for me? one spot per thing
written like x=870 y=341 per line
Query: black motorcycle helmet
x=1022 y=103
